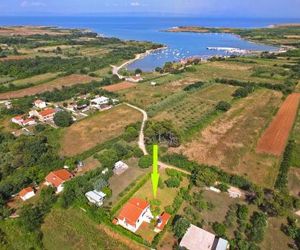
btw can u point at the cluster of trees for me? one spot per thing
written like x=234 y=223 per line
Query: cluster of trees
x=292 y=230
x=118 y=151
x=161 y=132
x=174 y=179
x=194 y=86
x=63 y=119
x=284 y=88
x=243 y=92
x=23 y=161
x=282 y=177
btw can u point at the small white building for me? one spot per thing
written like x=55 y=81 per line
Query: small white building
x=95 y=197
x=26 y=193
x=120 y=167
x=40 y=104
x=235 y=192
x=133 y=214
x=197 y=238
x=18 y=120
x=137 y=78
x=97 y=102
x=58 y=178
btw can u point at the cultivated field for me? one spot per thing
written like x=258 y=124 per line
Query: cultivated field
x=57 y=83
x=30 y=30
x=274 y=139
x=97 y=129
x=119 y=86
x=230 y=141
x=188 y=111
x=38 y=79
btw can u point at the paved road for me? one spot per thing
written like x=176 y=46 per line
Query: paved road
x=141 y=141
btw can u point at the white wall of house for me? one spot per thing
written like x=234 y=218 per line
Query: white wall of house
x=27 y=196
x=17 y=121
x=59 y=188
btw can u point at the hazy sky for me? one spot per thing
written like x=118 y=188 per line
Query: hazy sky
x=205 y=8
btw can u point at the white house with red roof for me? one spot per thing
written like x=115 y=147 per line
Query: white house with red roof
x=22 y=121
x=162 y=221
x=46 y=115
x=58 y=178
x=26 y=193
x=18 y=120
x=40 y=104
x=133 y=214
x=137 y=78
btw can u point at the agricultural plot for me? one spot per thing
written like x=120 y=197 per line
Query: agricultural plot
x=72 y=229
x=187 y=112
x=296 y=137
x=119 y=86
x=57 y=83
x=275 y=137
x=97 y=129
x=35 y=80
x=230 y=141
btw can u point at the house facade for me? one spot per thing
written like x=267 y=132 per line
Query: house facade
x=133 y=214
x=46 y=115
x=26 y=193
x=58 y=178
x=40 y=104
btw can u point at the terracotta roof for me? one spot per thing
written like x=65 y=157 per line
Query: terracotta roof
x=25 y=191
x=28 y=120
x=132 y=210
x=58 y=177
x=164 y=218
x=47 y=112
x=19 y=117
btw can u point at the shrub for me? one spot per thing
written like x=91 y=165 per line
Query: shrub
x=219 y=229
x=173 y=182
x=223 y=106
x=145 y=161
x=181 y=227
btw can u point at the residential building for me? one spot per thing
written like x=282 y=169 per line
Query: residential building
x=235 y=192
x=26 y=193
x=137 y=78
x=162 y=221
x=46 y=115
x=58 y=178
x=133 y=214
x=95 y=197
x=197 y=238
x=40 y=104
x=99 y=101
x=18 y=120
x=29 y=122
x=120 y=167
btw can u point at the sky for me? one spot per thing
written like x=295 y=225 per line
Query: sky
x=199 y=8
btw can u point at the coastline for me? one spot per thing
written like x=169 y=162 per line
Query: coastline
x=116 y=69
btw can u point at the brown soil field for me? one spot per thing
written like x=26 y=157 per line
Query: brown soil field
x=274 y=139
x=13 y=58
x=29 y=30
x=119 y=86
x=97 y=129
x=57 y=83
x=230 y=141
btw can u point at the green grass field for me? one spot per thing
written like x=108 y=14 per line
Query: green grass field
x=72 y=229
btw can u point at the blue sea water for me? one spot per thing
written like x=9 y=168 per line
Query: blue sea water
x=179 y=45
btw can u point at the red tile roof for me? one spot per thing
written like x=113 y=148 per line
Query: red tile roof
x=19 y=117
x=47 y=112
x=58 y=177
x=28 y=120
x=25 y=191
x=132 y=210
x=164 y=218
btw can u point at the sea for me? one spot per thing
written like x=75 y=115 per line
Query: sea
x=178 y=45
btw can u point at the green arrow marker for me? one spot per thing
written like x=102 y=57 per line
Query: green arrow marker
x=155 y=174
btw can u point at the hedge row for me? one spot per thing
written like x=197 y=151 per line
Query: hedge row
x=282 y=178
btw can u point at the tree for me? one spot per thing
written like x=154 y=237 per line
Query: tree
x=145 y=161
x=138 y=71
x=242 y=212
x=205 y=176
x=63 y=119
x=108 y=158
x=180 y=227
x=173 y=182
x=158 y=69
x=131 y=133
x=223 y=106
